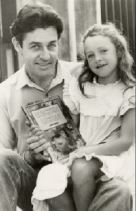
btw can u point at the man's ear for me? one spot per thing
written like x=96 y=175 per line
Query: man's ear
x=16 y=45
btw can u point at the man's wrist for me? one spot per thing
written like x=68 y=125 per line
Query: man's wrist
x=28 y=157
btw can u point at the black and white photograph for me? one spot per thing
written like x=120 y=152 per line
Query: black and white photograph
x=67 y=105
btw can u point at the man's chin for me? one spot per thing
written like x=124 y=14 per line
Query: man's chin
x=45 y=67
x=48 y=72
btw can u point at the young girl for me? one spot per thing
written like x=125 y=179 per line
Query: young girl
x=103 y=94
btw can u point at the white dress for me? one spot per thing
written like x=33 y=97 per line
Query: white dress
x=100 y=121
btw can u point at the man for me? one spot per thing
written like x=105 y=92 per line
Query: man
x=35 y=36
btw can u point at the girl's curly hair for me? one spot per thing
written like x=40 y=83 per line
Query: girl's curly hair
x=125 y=60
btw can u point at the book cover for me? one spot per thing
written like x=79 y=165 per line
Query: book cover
x=53 y=117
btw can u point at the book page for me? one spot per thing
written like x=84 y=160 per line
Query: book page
x=49 y=117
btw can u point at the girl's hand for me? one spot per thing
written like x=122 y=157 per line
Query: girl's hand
x=85 y=150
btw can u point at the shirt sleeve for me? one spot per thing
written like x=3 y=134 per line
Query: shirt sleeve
x=128 y=100
x=7 y=135
x=71 y=96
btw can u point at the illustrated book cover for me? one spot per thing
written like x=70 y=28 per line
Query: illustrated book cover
x=53 y=117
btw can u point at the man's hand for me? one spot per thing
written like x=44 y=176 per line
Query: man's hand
x=36 y=140
x=37 y=145
x=33 y=159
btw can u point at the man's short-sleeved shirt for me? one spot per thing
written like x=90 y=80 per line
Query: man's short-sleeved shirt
x=18 y=90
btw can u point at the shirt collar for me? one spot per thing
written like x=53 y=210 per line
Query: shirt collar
x=59 y=76
x=23 y=79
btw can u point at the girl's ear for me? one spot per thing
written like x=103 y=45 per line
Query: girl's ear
x=16 y=45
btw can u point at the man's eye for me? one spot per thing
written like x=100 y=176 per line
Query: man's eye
x=35 y=47
x=52 y=46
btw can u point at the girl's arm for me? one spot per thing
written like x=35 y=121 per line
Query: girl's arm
x=121 y=144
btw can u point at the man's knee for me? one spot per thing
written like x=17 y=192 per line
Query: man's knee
x=9 y=165
x=123 y=193
x=4 y=158
x=115 y=188
x=112 y=195
x=121 y=188
x=7 y=157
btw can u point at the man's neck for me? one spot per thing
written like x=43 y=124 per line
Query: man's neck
x=43 y=82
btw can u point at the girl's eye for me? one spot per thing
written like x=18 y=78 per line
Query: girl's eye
x=90 y=56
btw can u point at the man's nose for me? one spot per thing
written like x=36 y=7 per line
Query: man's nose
x=45 y=54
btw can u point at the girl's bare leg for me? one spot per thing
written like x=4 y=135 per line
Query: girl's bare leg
x=84 y=175
x=64 y=202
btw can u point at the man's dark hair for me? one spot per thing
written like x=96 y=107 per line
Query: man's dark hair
x=33 y=16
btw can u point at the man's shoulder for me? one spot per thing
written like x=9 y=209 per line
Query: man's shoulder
x=10 y=80
x=74 y=68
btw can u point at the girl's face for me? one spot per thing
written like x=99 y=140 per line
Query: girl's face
x=102 y=58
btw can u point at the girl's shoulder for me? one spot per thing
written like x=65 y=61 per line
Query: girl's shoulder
x=111 y=99
x=128 y=100
x=100 y=90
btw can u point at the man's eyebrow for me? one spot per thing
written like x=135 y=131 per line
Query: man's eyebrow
x=34 y=42
x=39 y=43
x=53 y=41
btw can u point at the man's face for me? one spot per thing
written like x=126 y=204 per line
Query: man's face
x=40 y=53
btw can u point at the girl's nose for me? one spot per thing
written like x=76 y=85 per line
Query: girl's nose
x=97 y=57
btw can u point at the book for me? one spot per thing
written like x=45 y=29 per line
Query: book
x=53 y=117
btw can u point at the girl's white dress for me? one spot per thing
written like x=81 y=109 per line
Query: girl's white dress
x=100 y=121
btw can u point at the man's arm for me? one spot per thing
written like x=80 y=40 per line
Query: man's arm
x=7 y=134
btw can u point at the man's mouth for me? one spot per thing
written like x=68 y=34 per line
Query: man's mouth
x=44 y=64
